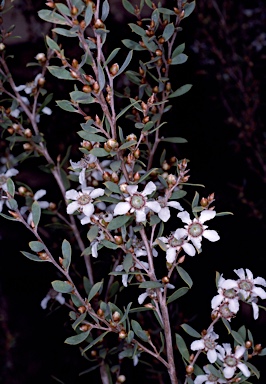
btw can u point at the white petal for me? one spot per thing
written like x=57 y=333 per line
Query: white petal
x=142 y=297
x=200 y=379
x=180 y=233
x=197 y=345
x=189 y=249
x=140 y=216
x=82 y=178
x=45 y=301
x=240 y=273
x=260 y=281
x=249 y=274
x=94 y=249
x=60 y=298
x=211 y=235
x=170 y=255
x=43 y=204
x=164 y=214
x=47 y=111
x=154 y=206
x=11 y=172
x=88 y=209
x=175 y=205
x=101 y=205
x=206 y=215
x=184 y=216
x=150 y=187
x=15 y=113
x=163 y=239
x=39 y=194
x=20 y=88
x=96 y=193
x=72 y=207
x=196 y=242
x=240 y=352
x=228 y=372
x=255 y=310
x=259 y=292
x=228 y=348
x=85 y=220
x=234 y=305
x=124 y=280
x=216 y=301
x=122 y=208
x=212 y=355
x=132 y=189
x=228 y=284
x=72 y=194
x=244 y=369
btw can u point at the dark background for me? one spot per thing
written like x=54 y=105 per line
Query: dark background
x=223 y=119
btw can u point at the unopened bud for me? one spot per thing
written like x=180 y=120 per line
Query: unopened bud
x=86 y=144
x=166 y=166
x=27 y=133
x=204 y=202
x=82 y=309
x=86 y=89
x=136 y=153
x=181 y=259
x=121 y=379
x=122 y=335
x=258 y=348
x=118 y=240
x=50 y=4
x=146 y=119
x=189 y=369
x=168 y=87
x=158 y=52
x=14 y=214
x=248 y=344
x=27 y=147
x=84 y=327
x=22 y=190
x=106 y=176
x=40 y=57
x=116 y=316
x=41 y=81
x=114 y=69
x=93 y=353
x=161 y=40
x=43 y=256
x=191 y=357
x=96 y=87
x=131 y=137
x=123 y=188
x=98 y=24
x=82 y=24
x=115 y=177
x=74 y=11
x=171 y=179
x=74 y=74
x=112 y=143
x=136 y=177
x=165 y=280
x=100 y=312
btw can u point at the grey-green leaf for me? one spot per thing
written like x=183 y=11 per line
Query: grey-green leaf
x=52 y=17
x=181 y=345
x=66 y=105
x=151 y=284
x=66 y=252
x=105 y=10
x=65 y=32
x=129 y=7
x=62 y=286
x=77 y=339
x=184 y=276
x=125 y=64
x=36 y=213
x=118 y=222
x=81 y=97
x=127 y=262
x=191 y=331
x=94 y=290
x=36 y=246
x=32 y=257
x=178 y=140
x=181 y=91
x=10 y=187
x=139 y=331
x=168 y=31
x=60 y=73
x=179 y=59
x=180 y=292
x=88 y=14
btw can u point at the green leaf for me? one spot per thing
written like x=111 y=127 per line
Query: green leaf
x=168 y=31
x=189 y=8
x=109 y=244
x=13 y=204
x=98 y=339
x=52 y=17
x=79 y=320
x=161 y=244
x=91 y=137
x=66 y=252
x=63 y=9
x=184 y=276
x=191 y=331
x=60 y=73
x=128 y=144
x=112 y=187
x=118 y=222
x=127 y=262
x=129 y=7
x=36 y=246
x=195 y=201
x=32 y=257
x=94 y=290
x=253 y=369
x=166 y=11
x=130 y=336
x=178 y=50
x=105 y=10
x=82 y=97
x=88 y=14
x=138 y=30
x=238 y=337
x=36 y=213
x=65 y=32
x=77 y=339
x=99 y=152
x=227 y=324
x=180 y=292
x=125 y=109
x=62 y=286
x=125 y=64
x=139 y=331
x=151 y=284
x=154 y=219
x=180 y=91
x=130 y=44
x=144 y=177
x=242 y=332
x=101 y=77
x=215 y=371
x=10 y=187
x=66 y=105
x=11 y=218
x=179 y=59
x=181 y=345
x=223 y=213
x=178 y=194
x=111 y=56
x=178 y=140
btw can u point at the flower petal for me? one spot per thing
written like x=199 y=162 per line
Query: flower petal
x=200 y=379
x=212 y=355
x=228 y=372
x=122 y=208
x=240 y=352
x=176 y=205
x=197 y=345
x=189 y=249
x=240 y=273
x=255 y=310
x=72 y=194
x=206 y=215
x=216 y=301
x=72 y=207
x=11 y=172
x=211 y=235
x=150 y=187
x=43 y=204
x=228 y=284
x=140 y=216
x=184 y=216
x=164 y=214
x=234 y=305
x=132 y=189
x=154 y=206
x=180 y=233
x=88 y=209
x=170 y=255
x=259 y=292
x=142 y=297
x=96 y=193
x=244 y=369
x=94 y=249
x=260 y=281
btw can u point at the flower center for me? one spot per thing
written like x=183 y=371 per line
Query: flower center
x=195 y=230
x=230 y=293
x=231 y=361
x=225 y=311
x=212 y=378
x=246 y=285
x=3 y=180
x=84 y=199
x=137 y=201
x=209 y=343
x=174 y=242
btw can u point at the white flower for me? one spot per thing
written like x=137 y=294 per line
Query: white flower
x=231 y=361
x=248 y=290
x=152 y=293
x=164 y=213
x=84 y=162
x=228 y=293
x=95 y=243
x=43 y=204
x=207 y=344
x=174 y=245
x=194 y=230
x=125 y=276
x=137 y=202
x=29 y=87
x=4 y=176
x=83 y=200
x=209 y=378
x=52 y=294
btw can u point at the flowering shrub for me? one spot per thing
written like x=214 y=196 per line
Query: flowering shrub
x=122 y=190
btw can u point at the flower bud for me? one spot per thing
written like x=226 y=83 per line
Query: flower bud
x=74 y=11
x=118 y=240
x=100 y=312
x=146 y=119
x=86 y=89
x=161 y=40
x=165 y=280
x=181 y=259
x=136 y=153
x=84 y=327
x=159 y=52
x=112 y=144
x=93 y=353
x=98 y=24
x=123 y=188
x=2 y=47
x=116 y=316
x=41 y=57
x=136 y=177
x=27 y=133
x=106 y=176
x=248 y=344
x=82 y=24
x=74 y=74
x=121 y=379
x=122 y=335
x=50 y=4
x=189 y=369
x=86 y=144
x=43 y=256
x=114 y=69
x=258 y=348
x=131 y=137
x=204 y=202
x=115 y=177
x=171 y=179
x=22 y=190
x=82 y=309
x=166 y=166
x=168 y=87
x=96 y=87
x=27 y=147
